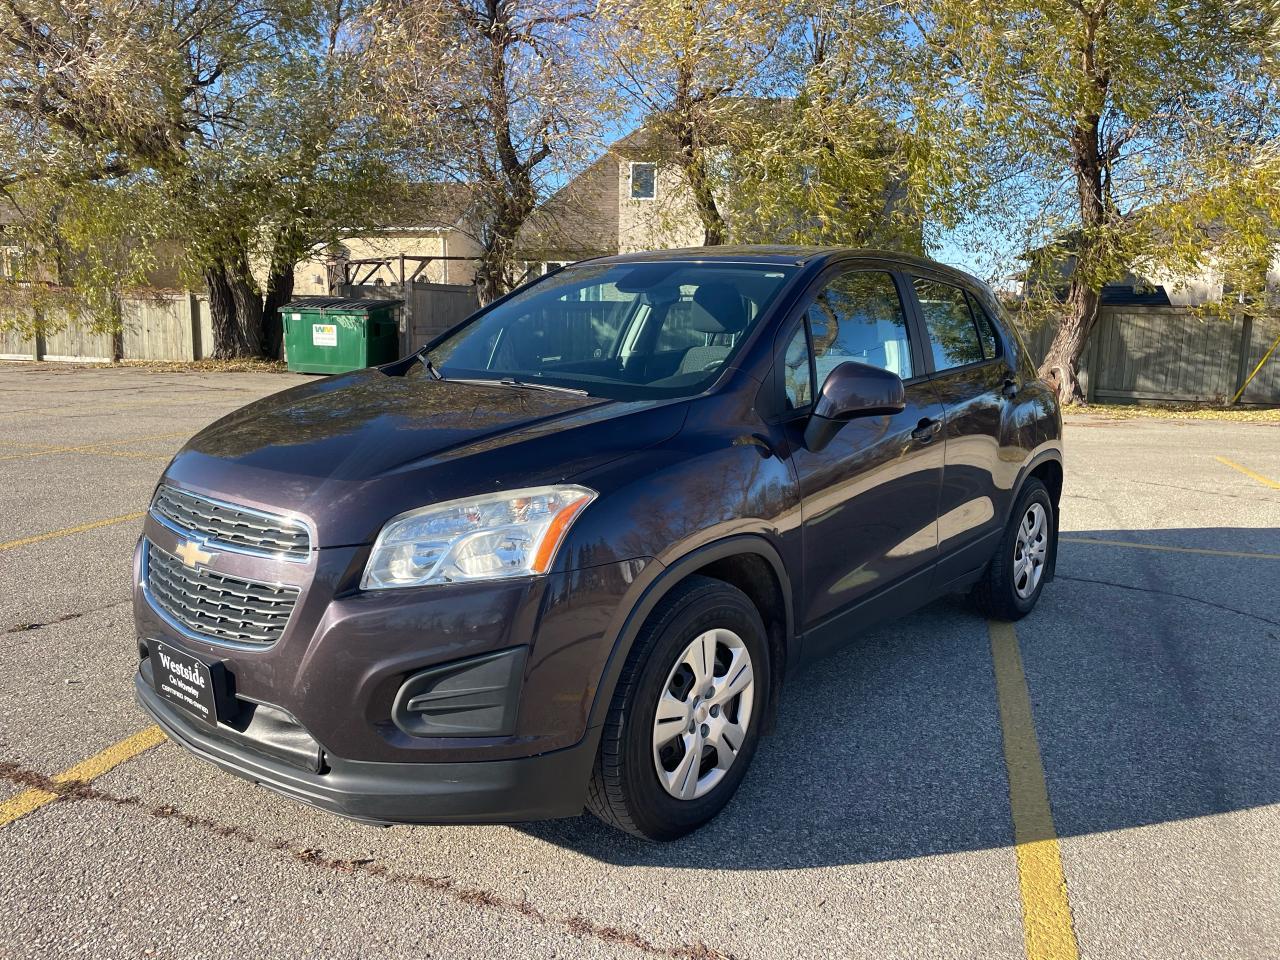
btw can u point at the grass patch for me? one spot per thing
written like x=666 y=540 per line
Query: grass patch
x=167 y=366
x=1172 y=411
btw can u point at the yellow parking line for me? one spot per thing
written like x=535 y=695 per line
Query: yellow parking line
x=1164 y=549
x=1265 y=481
x=31 y=800
x=41 y=449
x=68 y=531
x=32 y=450
x=1048 y=931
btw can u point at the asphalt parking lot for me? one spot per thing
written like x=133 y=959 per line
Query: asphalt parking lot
x=1102 y=780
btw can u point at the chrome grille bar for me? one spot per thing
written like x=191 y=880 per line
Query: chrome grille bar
x=217 y=606
x=231 y=526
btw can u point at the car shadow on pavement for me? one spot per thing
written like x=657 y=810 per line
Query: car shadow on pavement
x=1155 y=688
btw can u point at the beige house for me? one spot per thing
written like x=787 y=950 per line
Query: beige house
x=435 y=233
x=628 y=201
x=20 y=263
x=1145 y=284
x=621 y=203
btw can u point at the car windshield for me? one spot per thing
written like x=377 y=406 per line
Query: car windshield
x=626 y=331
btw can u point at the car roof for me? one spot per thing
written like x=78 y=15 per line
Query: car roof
x=782 y=255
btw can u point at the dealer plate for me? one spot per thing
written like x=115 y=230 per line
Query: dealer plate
x=184 y=681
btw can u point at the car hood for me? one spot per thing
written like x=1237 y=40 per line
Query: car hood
x=347 y=453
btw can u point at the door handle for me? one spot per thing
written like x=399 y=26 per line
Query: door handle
x=926 y=430
x=1009 y=389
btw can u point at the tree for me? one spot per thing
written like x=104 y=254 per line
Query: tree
x=1127 y=133
x=845 y=157
x=686 y=65
x=233 y=133
x=300 y=164
x=498 y=91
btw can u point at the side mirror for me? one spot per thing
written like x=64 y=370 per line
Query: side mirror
x=852 y=390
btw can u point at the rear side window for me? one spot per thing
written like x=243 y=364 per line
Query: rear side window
x=986 y=329
x=858 y=316
x=953 y=335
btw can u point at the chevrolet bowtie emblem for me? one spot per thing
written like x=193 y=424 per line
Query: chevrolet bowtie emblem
x=192 y=554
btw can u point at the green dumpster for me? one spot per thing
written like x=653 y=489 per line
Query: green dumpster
x=337 y=334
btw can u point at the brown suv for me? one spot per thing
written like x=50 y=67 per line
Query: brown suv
x=568 y=553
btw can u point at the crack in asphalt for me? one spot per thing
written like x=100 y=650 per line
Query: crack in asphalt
x=1203 y=491
x=1170 y=593
x=477 y=897
x=65 y=618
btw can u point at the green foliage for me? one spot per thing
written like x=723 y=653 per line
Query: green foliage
x=144 y=140
x=206 y=137
x=1120 y=134
x=500 y=95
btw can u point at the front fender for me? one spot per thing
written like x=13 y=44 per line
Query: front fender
x=657 y=580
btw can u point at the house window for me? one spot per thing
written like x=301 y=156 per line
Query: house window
x=644 y=181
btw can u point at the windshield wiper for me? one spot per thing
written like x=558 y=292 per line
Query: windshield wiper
x=513 y=382
x=426 y=362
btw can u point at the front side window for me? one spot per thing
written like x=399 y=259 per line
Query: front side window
x=644 y=181
x=620 y=330
x=858 y=316
x=953 y=335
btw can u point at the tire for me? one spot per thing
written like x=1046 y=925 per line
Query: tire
x=626 y=790
x=1004 y=592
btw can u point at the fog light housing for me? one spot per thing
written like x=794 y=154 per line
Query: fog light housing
x=476 y=697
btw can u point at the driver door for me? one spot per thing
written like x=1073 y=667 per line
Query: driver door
x=869 y=500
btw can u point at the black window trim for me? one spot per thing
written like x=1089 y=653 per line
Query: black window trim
x=800 y=323
x=798 y=314
x=922 y=327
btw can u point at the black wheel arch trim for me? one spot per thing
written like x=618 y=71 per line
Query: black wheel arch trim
x=667 y=578
x=1052 y=454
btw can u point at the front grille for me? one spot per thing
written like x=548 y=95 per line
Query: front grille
x=229 y=525
x=217 y=606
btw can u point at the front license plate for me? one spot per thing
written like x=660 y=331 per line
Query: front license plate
x=184 y=681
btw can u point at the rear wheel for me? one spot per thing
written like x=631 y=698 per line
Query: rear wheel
x=685 y=717
x=1016 y=574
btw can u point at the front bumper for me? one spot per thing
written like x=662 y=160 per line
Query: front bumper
x=493 y=791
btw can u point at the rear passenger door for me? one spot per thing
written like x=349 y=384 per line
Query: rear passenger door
x=974 y=382
x=869 y=500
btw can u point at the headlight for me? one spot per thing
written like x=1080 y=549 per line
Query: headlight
x=491 y=537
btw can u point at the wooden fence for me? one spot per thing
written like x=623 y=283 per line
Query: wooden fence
x=1172 y=354
x=1135 y=354
x=430 y=308
x=154 y=327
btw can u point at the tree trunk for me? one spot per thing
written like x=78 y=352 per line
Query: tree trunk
x=686 y=121
x=712 y=221
x=1089 y=163
x=1062 y=361
x=279 y=292
x=235 y=307
x=511 y=189
x=493 y=269
x=248 y=311
x=228 y=338
x=693 y=163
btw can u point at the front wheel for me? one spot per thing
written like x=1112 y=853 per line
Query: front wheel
x=685 y=718
x=1016 y=575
